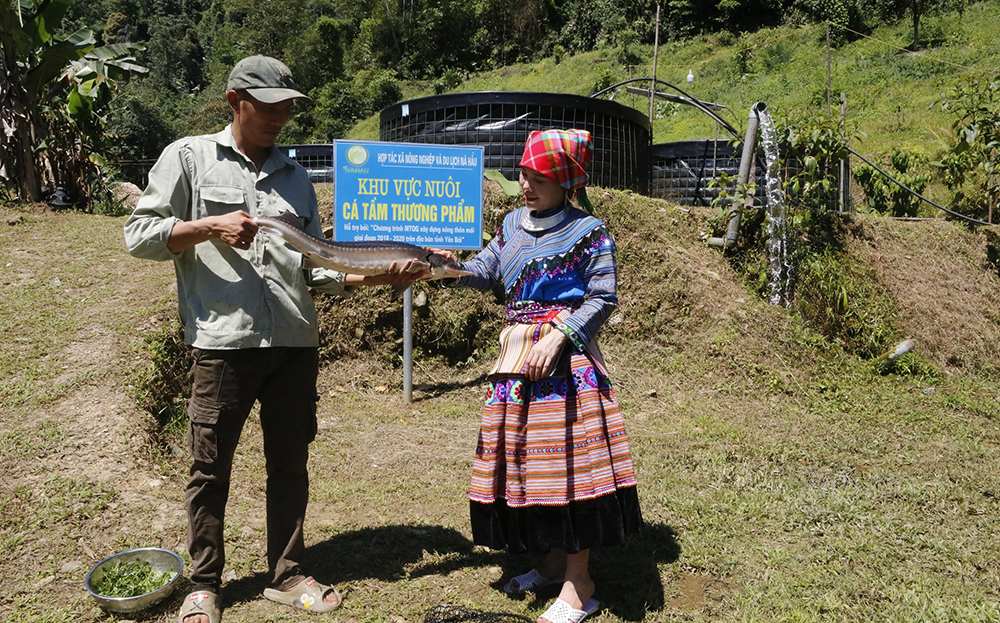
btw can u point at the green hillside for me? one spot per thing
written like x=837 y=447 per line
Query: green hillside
x=890 y=92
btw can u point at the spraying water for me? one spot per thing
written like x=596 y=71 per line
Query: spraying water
x=779 y=261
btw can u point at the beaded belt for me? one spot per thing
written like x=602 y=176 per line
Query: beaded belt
x=531 y=312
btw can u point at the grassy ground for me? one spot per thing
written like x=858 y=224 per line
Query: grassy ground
x=781 y=478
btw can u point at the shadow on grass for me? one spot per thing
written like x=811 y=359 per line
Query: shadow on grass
x=382 y=553
x=435 y=390
x=627 y=577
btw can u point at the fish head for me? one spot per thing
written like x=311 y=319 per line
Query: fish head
x=445 y=268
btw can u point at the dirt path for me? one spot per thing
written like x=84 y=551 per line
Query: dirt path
x=82 y=480
x=90 y=482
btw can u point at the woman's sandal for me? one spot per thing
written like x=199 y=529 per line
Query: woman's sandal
x=530 y=581
x=200 y=602
x=562 y=612
x=306 y=595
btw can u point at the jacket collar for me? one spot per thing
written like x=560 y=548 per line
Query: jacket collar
x=275 y=160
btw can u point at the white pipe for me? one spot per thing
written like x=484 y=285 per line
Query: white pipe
x=408 y=345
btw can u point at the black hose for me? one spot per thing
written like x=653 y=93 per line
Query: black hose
x=915 y=193
x=694 y=101
x=697 y=103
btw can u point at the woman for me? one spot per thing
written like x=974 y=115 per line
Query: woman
x=552 y=473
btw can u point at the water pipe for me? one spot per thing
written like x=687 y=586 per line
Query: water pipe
x=749 y=142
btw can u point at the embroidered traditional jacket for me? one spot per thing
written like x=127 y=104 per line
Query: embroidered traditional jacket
x=570 y=266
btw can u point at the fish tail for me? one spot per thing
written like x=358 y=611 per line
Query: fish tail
x=398 y=290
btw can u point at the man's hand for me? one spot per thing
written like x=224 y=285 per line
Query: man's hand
x=544 y=355
x=236 y=229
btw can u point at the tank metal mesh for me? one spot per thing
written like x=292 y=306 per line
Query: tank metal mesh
x=317 y=158
x=501 y=122
x=681 y=171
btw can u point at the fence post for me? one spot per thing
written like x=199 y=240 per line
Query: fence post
x=652 y=80
x=844 y=194
x=828 y=108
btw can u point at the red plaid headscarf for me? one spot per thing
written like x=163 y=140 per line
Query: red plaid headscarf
x=560 y=155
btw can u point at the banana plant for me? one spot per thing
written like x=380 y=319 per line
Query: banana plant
x=53 y=90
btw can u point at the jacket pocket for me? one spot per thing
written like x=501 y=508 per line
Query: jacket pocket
x=203 y=441
x=222 y=199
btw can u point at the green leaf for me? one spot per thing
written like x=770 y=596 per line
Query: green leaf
x=54 y=60
x=127 y=66
x=76 y=103
x=510 y=188
x=49 y=18
x=88 y=87
x=114 y=51
x=84 y=72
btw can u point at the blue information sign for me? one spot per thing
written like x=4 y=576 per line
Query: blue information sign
x=429 y=195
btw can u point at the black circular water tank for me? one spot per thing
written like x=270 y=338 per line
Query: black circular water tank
x=500 y=121
x=681 y=171
x=317 y=158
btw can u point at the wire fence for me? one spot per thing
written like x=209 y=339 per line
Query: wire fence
x=134 y=171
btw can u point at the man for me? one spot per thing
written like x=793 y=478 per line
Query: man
x=250 y=320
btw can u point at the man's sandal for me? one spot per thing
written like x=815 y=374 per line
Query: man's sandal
x=200 y=602
x=562 y=612
x=306 y=595
x=530 y=581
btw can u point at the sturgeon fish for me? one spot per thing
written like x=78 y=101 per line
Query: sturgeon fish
x=358 y=258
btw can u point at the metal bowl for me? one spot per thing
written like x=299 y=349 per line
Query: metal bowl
x=161 y=560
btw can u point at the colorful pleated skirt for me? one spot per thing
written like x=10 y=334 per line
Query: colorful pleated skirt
x=553 y=467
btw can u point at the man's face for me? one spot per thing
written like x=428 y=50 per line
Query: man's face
x=260 y=123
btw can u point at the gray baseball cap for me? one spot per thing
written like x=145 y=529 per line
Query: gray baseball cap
x=266 y=79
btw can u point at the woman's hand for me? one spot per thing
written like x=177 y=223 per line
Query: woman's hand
x=448 y=255
x=544 y=355
x=398 y=274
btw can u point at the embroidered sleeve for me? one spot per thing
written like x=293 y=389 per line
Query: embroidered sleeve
x=485 y=267
x=599 y=275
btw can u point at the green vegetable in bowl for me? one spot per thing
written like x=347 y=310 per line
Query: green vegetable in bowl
x=132 y=578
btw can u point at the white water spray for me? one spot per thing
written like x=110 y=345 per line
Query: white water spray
x=779 y=261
